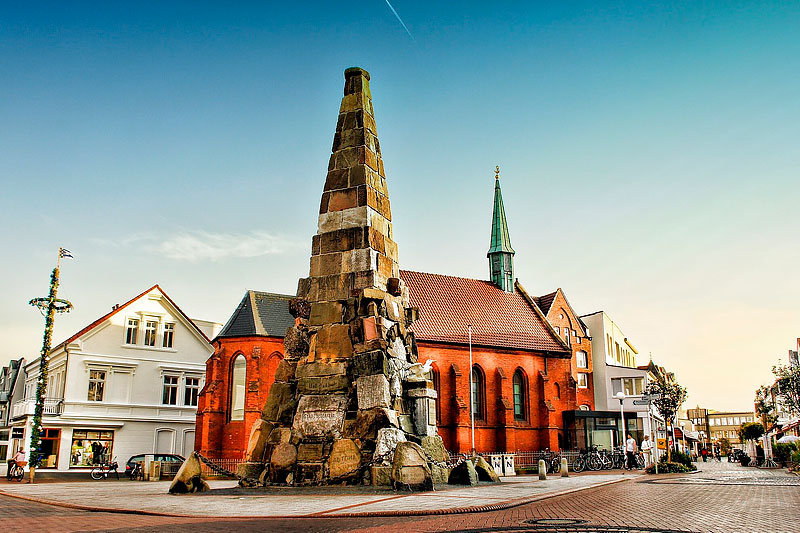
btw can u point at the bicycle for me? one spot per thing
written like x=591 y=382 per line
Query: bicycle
x=103 y=471
x=137 y=473
x=17 y=471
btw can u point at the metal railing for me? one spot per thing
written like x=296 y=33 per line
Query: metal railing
x=526 y=459
x=227 y=464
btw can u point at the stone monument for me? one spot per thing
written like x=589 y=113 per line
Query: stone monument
x=350 y=387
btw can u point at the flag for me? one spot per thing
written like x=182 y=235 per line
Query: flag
x=63 y=252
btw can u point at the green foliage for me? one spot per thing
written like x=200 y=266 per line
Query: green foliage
x=765 y=406
x=796 y=456
x=672 y=396
x=683 y=458
x=725 y=446
x=783 y=451
x=669 y=468
x=751 y=431
x=787 y=387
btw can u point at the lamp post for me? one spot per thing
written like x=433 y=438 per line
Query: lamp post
x=621 y=397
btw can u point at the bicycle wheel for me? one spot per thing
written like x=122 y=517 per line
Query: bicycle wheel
x=579 y=465
x=17 y=473
x=639 y=461
x=594 y=463
x=556 y=465
x=97 y=472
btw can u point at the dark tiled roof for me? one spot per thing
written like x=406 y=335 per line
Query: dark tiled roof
x=259 y=314
x=499 y=319
x=544 y=302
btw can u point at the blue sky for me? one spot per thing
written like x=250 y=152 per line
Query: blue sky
x=648 y=151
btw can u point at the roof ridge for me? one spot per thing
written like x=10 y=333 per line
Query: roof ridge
x=447 y=276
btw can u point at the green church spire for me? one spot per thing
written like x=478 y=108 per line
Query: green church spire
x=501 y=255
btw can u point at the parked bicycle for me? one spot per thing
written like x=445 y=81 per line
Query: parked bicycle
x=16 y=471
x=553 y=461
x=137 y=472
x=103 y=471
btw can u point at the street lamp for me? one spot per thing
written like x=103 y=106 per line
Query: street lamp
x=621 y=397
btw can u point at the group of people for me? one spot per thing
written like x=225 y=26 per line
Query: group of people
x=631 y=449
x=714 y=453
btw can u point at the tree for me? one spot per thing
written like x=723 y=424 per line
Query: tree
x=670 y=395
x=787 y=385
x=765 y=407
x=724 y=445
x=751 y=431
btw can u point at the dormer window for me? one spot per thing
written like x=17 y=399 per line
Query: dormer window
x=131 y=331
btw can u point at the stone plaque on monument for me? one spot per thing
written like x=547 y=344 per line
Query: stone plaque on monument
x=345 y=458
x=319 y=416
x=373 y=391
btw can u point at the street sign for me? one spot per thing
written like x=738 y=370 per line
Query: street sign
x=641 y=402
x=651 y=396
x=661 y=444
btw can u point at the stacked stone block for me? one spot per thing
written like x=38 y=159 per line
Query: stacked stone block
x=350 y=388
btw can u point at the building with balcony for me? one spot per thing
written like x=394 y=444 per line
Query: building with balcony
x=12 y=379
x=126 y=384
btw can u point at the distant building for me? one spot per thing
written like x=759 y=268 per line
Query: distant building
x=714 y=425
x=126 y=384
x=12 y=383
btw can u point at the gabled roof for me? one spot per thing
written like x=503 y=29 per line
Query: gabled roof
x=544 y=302
x=116 y=309
x=499 y=319
x=263 y=314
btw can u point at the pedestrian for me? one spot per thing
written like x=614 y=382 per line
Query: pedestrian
x=19 y=457
x=630 y=449
x=647 y=450
x=704 y=453
x=717 y=455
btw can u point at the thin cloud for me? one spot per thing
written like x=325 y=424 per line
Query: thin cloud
x=400 y=20
x=197 y=246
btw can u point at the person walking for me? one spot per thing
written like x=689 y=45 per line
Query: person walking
x=647 y=450
x=704 y=453
x=630 y=449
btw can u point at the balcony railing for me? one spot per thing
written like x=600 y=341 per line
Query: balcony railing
x=52 y=407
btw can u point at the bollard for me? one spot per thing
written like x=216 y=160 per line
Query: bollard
x=564 y=467
x=542 y=469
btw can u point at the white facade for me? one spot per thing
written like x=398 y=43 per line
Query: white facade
x=123 y=386
x=614 y=357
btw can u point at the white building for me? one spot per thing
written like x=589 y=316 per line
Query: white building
x=126 y=384
x=615 y=370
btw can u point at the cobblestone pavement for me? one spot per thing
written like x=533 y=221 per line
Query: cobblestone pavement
x=732 y=499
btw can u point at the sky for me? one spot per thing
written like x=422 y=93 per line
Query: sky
x=648 y=152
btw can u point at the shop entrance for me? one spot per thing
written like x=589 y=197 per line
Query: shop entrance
x=49 y=448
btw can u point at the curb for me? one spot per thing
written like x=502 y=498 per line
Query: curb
x=421 y=512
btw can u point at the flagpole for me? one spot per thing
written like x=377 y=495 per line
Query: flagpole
x=471 y=407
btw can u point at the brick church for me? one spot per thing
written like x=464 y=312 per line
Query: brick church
x=531 y=357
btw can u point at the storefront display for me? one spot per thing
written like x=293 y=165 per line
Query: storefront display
x=91 y=447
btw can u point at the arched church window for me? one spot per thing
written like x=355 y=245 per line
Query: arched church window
x=238 y=379
x=519 y=395
x=478 y=393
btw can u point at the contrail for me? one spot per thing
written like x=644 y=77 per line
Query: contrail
x=401 y=20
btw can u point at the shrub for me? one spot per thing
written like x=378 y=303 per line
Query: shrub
x=796 y=456
x=669 y=468
x=682 y=458
x=783 y=452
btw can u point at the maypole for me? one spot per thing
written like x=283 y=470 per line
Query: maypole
x=49 y=307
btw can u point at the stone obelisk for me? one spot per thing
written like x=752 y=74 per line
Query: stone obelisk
x=350 y=402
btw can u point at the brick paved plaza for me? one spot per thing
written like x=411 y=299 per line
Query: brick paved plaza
x=721 y=498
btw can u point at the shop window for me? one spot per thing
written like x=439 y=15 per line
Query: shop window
x=170 y=395
x=581 y=359
x=131 y=331
x=478 y=395
x=190 y=391
x=238 y=377
x=91 y=447
x=169 y=333
x=97 y=385
x=519 y=395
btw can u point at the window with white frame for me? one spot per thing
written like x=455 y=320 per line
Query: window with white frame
x=583 y=380
x=97 y=385
x=581 y=359
x=190 y=391
x=169 y=333
x=170 y=395
x=150 y=330
x=131 y=331
x=630 y=386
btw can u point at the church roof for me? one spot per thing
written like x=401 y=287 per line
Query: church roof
x=501 y=240
x=544 y=302
x=262 y=314
x=499 y=319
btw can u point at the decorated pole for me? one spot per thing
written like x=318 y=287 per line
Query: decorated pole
x=49 y=307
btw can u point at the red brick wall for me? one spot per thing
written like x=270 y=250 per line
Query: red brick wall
x=498 y=430
x=561 y=316
x=216 y=435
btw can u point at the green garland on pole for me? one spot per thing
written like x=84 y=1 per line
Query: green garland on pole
x=49 y=307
